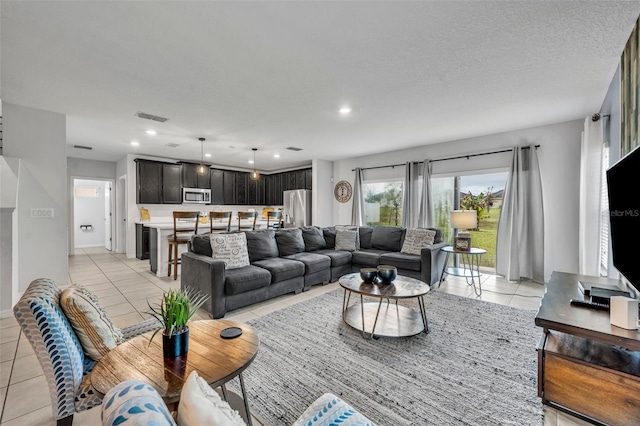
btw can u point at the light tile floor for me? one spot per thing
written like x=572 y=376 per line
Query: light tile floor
x=123 y=286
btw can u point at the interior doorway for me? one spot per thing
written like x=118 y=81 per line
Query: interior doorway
x=92 y=213
x=121 y=216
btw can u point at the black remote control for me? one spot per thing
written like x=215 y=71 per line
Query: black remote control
x=592 y=305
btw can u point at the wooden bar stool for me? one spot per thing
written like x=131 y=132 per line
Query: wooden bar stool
x=221 y=226
x=180 y=236
x=275 y=218
x=247 y=215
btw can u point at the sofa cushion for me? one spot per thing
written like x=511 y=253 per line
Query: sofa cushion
x=261 y=245
x=387 y=238
x=244 y=279
x=416 y=238
x=329 y=235
x=289 y=241
x=281 y=269
x=313 y=262
x=401 y=261
x=338 y=257
x=96 y=332
x=365 y=236
x=346 y=240
x=370 y=257
x=200 y=405
x=231 y=249
x=313 y=238
x=201 y=244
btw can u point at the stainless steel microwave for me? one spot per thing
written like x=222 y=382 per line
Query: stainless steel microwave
x=196 y=196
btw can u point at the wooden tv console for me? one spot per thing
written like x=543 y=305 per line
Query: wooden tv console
x=586 y=366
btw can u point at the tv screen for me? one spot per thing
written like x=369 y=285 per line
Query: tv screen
x=624 y=215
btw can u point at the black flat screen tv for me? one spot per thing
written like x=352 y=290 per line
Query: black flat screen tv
x=624 y=216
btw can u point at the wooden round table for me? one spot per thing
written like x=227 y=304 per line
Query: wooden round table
x=216 y=360
x=391 y=321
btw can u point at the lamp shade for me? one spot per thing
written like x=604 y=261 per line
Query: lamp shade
x=464 y=219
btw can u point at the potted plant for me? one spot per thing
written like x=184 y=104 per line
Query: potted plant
x=174 y=311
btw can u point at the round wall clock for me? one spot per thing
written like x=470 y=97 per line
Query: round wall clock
x=342 y=191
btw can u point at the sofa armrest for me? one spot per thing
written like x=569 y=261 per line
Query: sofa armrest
x=207 y=276
x=432 y=261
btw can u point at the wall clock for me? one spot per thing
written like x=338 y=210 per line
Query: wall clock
x=342 y=191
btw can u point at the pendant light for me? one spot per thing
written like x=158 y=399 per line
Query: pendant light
x=202 y=170
x=254 y=175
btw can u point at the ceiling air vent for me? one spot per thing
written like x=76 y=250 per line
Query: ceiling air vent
x=172 y=145
x=293 y=148
x=150 y=117
x=88 y=148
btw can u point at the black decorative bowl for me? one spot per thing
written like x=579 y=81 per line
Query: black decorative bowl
x=387 y=273
x=368 y=274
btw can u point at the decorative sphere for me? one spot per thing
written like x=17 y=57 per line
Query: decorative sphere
x=368 y=275
x=387 y=273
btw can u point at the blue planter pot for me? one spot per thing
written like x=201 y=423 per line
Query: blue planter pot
x=175 y=345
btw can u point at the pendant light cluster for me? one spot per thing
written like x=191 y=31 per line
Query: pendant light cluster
x=254 y=175
x=202 y=170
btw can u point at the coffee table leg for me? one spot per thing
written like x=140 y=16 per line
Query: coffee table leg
x=374 y=321
x=423 y=313
x=344 y=303
x=224 y=392
x=362 y=313
x=246 y=402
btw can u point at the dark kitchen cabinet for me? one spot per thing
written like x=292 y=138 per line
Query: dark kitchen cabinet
x=217 y=186
x=242 y=188
x=301 y=176
x=229 y=189
x=192 y=179
x=171 y=184
x=142 y=241
x=149 y=181
x=274 y=190
x=257 y=190
x=289 y=181
x=308 y=179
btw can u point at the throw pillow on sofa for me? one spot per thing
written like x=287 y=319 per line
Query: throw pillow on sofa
x=231 y=249
x=313 y=238
x=95 y=331
x=387 y=238
x=261 y=245
x=200 y=405
x=416 y=238
x=350 y=228
x=346 y=240
x=289 y=241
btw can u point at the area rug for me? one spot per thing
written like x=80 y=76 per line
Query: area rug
x=477 y=366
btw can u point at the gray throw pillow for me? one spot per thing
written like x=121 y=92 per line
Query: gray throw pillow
x=329 y=235
x=365 y=236
x=387 y=238
x=346 y=240
x=313 y=238
x=262 y=245
x=289 y=241
x=201 y=244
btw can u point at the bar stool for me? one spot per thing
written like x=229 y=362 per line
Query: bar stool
x=247 y=215
x=180 y=236
x=274 y=217
x=221 y=226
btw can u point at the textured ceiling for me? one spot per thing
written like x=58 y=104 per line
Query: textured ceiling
x=273 y=74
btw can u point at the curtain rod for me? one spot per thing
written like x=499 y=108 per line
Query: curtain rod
x=445 y=159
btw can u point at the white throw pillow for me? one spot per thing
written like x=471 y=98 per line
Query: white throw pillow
x=416 y=238
x=200 y=405
x=346 y=240
x=95 y=331
x=350 y=228
x=231 y=249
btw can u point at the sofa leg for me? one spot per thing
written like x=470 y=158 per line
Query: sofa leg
x=298 y=291
x=66 y=421
x=325 y=282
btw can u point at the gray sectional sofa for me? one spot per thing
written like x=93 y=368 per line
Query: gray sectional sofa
x=292 y=260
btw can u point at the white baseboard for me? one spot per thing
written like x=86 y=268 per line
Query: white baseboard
x=6 y=313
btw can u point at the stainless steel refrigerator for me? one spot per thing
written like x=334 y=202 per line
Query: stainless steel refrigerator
x=297 y=208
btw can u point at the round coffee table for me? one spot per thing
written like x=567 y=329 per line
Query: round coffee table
x=390 y=321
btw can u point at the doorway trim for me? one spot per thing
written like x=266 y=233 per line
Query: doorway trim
x=71 y=225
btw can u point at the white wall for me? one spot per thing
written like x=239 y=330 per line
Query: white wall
x=38 y=138
x=89 y=211
x=322 y=194
x=559 y=157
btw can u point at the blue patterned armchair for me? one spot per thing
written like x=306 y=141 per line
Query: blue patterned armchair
x=62 y=358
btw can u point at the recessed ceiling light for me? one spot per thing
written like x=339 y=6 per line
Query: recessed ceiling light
x=135 y=143
x=345 y=110
x=276 y=155
x=250 y=161
x=207 y=155
x=151 y=132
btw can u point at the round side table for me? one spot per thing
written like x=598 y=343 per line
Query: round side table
x=470 y=266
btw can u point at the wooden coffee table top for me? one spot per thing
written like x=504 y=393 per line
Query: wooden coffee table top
x=401 y=288
x=216 y=360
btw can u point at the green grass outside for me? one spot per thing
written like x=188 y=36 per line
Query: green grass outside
x=485 y=237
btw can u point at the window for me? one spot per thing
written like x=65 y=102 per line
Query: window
x=383 y=203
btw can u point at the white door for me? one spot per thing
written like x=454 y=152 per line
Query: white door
x=121 y=208
x=107 y=215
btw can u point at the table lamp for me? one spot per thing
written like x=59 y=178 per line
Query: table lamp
x=463 y=220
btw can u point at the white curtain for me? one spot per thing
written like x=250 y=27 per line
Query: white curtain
x=410 y=195
x=520 y=245
x=357 y=212
x=425 y=214
x=590 y=181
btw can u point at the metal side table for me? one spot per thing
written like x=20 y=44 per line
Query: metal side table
x=470 y=266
